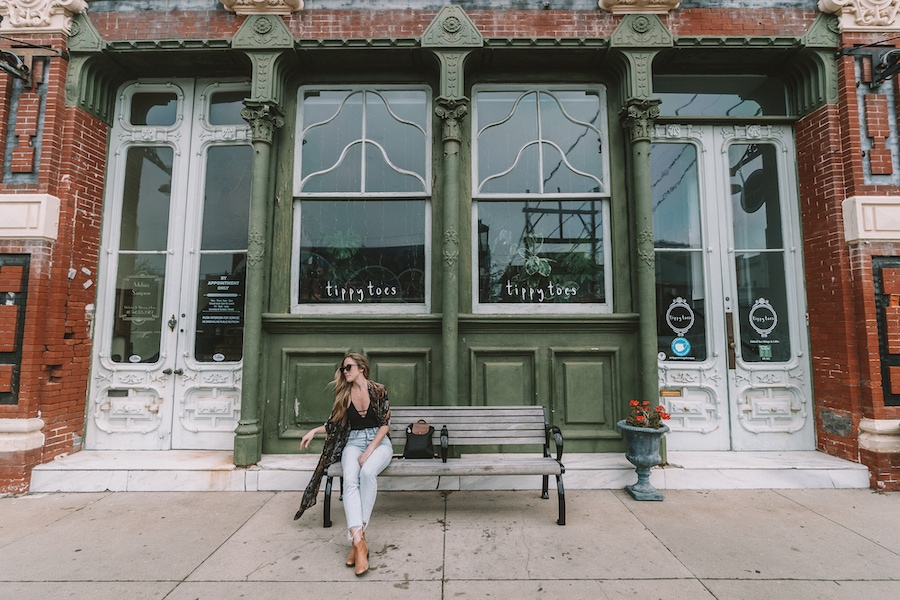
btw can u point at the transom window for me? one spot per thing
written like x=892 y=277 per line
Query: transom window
x=541 y=199
x=362 y=180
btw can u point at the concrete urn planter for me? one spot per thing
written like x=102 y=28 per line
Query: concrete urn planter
x=643 y=452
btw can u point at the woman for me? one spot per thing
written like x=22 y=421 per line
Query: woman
x=355 y=434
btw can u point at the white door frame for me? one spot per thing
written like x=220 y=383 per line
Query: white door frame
x=174 y=401
x=726 y=402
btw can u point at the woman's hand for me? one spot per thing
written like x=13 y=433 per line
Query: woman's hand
x=307 y=438
x=365 y=456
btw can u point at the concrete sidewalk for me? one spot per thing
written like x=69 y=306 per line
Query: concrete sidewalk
x=728 y=544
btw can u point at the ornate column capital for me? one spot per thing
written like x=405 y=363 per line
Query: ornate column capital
x=638 y=116
x=259 y=7
x=639 y=7
x=264 y=118
x=864 y=15
x=39 y=16
x=451 y=111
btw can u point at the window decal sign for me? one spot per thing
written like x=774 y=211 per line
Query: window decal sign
x=680 y=319
x=141 y=299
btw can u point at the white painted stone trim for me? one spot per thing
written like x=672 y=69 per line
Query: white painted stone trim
x=639 y=7
x=19 y=435
x=29 y=216
x=871 y=218
x=864 y=15
x=880 y=435
x=261 y=7
x=39 y=16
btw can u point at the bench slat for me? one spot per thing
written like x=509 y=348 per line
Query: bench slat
x=461 y=467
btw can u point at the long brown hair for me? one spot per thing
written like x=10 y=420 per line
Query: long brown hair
x=342 y=387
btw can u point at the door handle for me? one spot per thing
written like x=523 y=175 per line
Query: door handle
x=172 y=322
x=729 y=336
x=170 y=371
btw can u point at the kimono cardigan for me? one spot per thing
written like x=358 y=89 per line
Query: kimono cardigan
x=336 y=436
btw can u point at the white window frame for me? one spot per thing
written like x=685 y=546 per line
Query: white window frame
x=603 y=196
x=299 y=196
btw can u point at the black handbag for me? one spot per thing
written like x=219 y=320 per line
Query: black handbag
x=418 y=440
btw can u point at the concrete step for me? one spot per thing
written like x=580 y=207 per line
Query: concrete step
x=207 y=470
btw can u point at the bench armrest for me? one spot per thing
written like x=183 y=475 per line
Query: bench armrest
x=556 y=432
x=445 y=443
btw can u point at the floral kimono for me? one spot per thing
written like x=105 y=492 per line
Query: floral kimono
x=336 y=436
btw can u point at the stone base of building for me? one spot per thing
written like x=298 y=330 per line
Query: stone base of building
x=879 y=449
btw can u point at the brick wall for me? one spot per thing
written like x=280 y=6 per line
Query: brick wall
x=56 y=348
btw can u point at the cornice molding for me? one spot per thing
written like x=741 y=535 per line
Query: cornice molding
x=39 y=16
x=639 y=7
x=262 y=7
x=864 y=15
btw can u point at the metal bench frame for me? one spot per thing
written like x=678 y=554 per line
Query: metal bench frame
x=475 y=426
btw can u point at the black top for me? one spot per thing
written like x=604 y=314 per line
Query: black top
x=358 y=421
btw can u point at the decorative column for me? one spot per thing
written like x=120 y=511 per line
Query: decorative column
x=450 y=31
x=637 y=39
x=450 y=111
x=638 y=116
x=264 y=118
x=261 y=37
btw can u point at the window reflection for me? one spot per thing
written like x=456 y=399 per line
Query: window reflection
x=140 y=281
x=541 y=252
x=362 y=251
x=680 y=285
x=219 y=333
x=225 y=108
x=360 y=152
x=541 y=189
x=757 y=231
x=546 y=141
x=364 y=141
x=720 y=95
x=158 y=109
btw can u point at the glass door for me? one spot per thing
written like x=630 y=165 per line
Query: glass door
x=170 y=304
x=733 y=362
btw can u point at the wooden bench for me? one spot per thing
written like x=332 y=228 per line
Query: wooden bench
x=468 y=426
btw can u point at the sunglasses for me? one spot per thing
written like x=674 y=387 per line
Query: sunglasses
x=346 y=368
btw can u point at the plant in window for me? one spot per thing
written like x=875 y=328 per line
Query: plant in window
x=581 y=270
x=342 y=245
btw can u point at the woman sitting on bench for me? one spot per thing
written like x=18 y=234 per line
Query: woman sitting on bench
x=355 y=434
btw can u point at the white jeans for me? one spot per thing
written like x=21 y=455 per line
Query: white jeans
x=361 y=483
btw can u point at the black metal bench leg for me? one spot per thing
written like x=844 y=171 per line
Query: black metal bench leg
x=562 y=500
x=544 y=489
x=327 y=507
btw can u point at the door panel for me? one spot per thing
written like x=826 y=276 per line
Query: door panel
x=733 y=364
x=167 y=370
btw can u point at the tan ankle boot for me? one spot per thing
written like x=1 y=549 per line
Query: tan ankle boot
x=351 y=558
x=362 y=556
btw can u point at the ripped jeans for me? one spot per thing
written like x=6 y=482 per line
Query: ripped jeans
x=361 y=483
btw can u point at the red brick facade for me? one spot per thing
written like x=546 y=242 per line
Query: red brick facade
x=56 y=353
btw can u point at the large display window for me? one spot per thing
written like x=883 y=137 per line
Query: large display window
x=361 y=200
x=541 y=194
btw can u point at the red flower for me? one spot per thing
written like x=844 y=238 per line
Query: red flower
x=641 y=414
